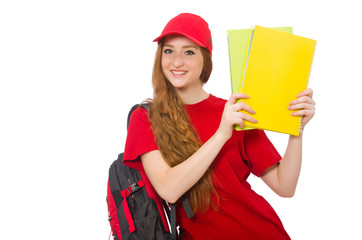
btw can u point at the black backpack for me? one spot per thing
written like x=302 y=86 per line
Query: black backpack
x=133 y=212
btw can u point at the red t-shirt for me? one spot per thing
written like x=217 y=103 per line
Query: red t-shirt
x=241 y=213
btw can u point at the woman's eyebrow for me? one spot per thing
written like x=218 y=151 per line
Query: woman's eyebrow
x=190 y=46
x=186 y=46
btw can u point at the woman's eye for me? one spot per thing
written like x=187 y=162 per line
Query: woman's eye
x=189 y=52
x=167 y=51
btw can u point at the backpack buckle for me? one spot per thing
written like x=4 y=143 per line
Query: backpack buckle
x=134 y=187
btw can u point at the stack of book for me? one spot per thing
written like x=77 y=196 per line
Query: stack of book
x=272 y=66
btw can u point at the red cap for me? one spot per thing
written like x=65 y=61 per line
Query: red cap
x=191 y=26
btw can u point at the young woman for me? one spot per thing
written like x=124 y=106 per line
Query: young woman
x=187 y=145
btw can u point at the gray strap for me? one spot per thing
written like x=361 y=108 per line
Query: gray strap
x=187 y=207
x=173 y=222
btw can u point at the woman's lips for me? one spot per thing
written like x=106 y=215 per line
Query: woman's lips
x=178 y=72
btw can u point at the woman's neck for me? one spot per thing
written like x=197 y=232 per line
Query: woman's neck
x=193 y=96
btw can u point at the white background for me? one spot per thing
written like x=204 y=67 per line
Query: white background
x=70 y=70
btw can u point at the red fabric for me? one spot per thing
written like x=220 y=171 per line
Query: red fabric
x=112 y=213
x=127 y=212
x=241 y=213
x=191 y=26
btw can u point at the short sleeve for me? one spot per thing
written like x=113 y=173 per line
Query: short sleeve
x=140 y=139
x=261 y=154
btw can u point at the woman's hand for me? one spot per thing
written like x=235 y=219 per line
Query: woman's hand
x=305 y=104
x=232 y=116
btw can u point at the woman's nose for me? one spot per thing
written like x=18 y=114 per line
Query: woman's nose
x=178 y=61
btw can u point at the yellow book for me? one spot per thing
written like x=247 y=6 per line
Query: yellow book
x=238 y=42
x=277 y=69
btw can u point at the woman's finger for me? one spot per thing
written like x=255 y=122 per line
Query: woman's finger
x=301 y=106
x=242 y=106
x=236 y=96
x=307 y=92
x=246 y=117
x=303 y=99
x=303 y=113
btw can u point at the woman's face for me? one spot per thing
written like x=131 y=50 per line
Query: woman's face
x=182 y=62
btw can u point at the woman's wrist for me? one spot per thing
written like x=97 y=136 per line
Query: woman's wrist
x=221 y=136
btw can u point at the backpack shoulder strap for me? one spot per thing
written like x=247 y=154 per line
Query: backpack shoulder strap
x=144 y=105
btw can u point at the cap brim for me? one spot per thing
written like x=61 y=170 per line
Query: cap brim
x=179 y=33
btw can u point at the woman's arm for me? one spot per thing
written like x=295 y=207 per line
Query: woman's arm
x=283 y=177
x=172 y=182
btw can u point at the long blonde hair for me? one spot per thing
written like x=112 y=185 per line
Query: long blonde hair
x=175 y=136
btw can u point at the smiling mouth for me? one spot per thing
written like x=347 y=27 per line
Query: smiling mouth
x=178 y=72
